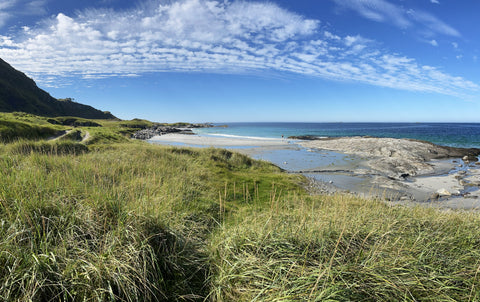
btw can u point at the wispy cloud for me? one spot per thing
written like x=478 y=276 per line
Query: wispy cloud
x=5 y=7
x=377 y=10
x=212 y=36
x=13 y=8
x=432 y=23
x=386 y=12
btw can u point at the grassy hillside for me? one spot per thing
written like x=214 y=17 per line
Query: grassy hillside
x=20 y=93
x=122 y=220
x=24 y=126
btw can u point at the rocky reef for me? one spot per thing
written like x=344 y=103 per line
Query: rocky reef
x=159 y=129
x=395 y=158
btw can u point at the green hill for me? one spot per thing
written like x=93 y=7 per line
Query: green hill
x=20 y=93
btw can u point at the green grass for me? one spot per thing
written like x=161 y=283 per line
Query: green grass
x=23 y=126
x=126 y=222
x=120 y=220
x=341 y=248
x=63 y=147
x=13 y=130
x=73 y=121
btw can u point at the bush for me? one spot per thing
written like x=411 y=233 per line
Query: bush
x=73 y=121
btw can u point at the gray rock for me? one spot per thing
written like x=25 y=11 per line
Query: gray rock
x=435 y=196
x=444 y=192
x=159 y=130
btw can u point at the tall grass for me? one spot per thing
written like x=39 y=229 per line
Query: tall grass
x=135 y=222
x=340 y=248
x=63 y=147
x=128 y=223
x=13 y=130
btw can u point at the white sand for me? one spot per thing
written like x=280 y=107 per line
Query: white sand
x=218 y=141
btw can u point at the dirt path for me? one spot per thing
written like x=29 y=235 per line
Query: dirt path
x=86 y=137
x=67 y=132
x=62 y=134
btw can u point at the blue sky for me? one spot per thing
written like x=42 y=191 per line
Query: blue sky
x=227 y=61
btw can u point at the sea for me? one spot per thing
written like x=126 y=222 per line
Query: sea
x=465 y=135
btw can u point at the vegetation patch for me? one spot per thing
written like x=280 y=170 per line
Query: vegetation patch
x=137 y=124
x=341 y=248
x=64 y=147
x=14 y=130
x=73 y=121
x=73 y=135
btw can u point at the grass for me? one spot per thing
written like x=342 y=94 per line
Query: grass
x=12 y=130
x=62 y=147
x=119 y=220
x=341 y=248
x=126 y=222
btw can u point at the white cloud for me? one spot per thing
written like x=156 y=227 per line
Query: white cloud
x=14 y=8
x=377 y=10
x=4 y=17
x=435 y=1
x=7 y=4
x=432 y=23
x=386 y=12
x=211 y=36
x=433 y=43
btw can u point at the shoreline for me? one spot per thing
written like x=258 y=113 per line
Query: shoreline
x=395 y=170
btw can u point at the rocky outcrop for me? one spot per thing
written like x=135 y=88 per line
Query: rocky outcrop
x=304 y=137
x=395 y=158
x=159 y=130
x=162 y=129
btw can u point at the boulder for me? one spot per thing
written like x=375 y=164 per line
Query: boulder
x=444 y=192
x=435 y=196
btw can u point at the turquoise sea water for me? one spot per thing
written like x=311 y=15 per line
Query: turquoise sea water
x=447 y=134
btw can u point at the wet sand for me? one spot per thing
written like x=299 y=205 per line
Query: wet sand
x=401 y=171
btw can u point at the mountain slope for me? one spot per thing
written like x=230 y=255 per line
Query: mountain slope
x=20 y=93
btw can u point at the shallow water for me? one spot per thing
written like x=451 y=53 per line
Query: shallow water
x=333 y=168
x=300 y=159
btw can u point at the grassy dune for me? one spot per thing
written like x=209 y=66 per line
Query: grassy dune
x=117 y=220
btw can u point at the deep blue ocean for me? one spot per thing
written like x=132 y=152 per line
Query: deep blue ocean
x=447 y=134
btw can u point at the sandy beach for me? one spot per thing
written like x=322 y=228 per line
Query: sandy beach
x=400 y=171
x=217 y=141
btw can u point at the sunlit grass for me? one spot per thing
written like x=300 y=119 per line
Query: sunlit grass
x=119 y=220
x=340 y=248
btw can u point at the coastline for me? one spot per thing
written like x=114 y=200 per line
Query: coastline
x=395 y=170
